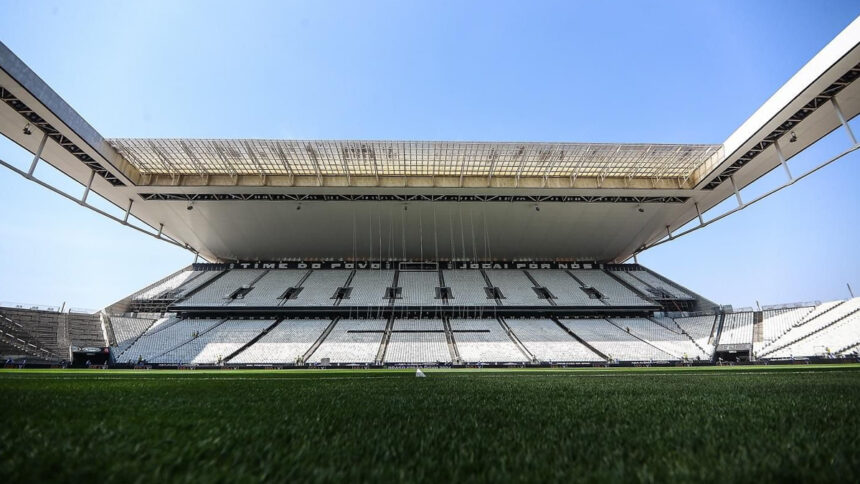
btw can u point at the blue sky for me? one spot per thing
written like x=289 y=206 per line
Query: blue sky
x=674 y=72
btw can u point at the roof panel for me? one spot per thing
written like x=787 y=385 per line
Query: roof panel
x=411 y=158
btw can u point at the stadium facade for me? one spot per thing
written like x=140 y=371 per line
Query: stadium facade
x=420 y=253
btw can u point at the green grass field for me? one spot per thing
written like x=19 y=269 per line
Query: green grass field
x=795 y=423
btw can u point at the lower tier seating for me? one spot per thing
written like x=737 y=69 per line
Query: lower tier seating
x=550 y=343
x=614 y=342
x=351 y=341
x=286 y=343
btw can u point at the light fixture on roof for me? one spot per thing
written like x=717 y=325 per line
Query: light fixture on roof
x=641 y=210
x=793 y=137
x=299 y=206
x=27 y=129
x=537 y=208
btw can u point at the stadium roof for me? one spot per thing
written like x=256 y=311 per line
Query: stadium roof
x=270 y=199
x=379 y=159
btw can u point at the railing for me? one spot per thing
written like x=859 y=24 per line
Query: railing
x=805 y=304
x=38 y=307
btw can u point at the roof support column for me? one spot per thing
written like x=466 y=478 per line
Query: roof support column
x=89 y=186
x=842 y=120
x=782 y=159
x=737 y=193
x=699 y=213
x=127 y=211
x=160 y=230
x=38 y=155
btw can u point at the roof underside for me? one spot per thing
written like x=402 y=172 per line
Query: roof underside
x=413 y=158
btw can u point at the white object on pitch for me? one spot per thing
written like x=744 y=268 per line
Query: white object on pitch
x=419 y=373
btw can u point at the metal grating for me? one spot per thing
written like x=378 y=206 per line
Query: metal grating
x=411 y=158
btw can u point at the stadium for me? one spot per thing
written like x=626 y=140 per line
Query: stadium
x=467 y=261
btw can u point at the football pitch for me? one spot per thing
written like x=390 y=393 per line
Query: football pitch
x=743 y=424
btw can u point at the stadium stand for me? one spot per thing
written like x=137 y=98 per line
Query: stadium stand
x=170 y=335
x=700 y=329
x=351 y=341
x=319 y=288
x=216 y=344
x=269 y=289
x=516 y=288
x=368 y=288
x=564 y=288
x=814 y=335
x=614 y=293
x=651 y=285
x=548 y=342
x=128 y=329
x=467 y=288
x=614 y=342
x=484 y=341
x=221 y=291
x=284 y=344
x=675 y=343
x=418 y=288
x=777 y=322
x=737 y=329
x=418 y=341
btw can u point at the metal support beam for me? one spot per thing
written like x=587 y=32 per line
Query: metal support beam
x=669 y=232
x=843 y=121
x=128 y=211
x=782 y=159
x=196 y=257
x=635 y=259
x=38 y=155
x=737 y=193
x=94 y=209
x=89 y=186
x=699 y=214
x=160 y=230
x=663 y=240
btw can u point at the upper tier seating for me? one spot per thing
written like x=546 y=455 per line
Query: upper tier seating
x=564 y=288
x=516 y=288
x=650 y=280
x=285 y=343
x=671 y=341
x=197 y=279
x=484 y=341
x=548 y=342
x=319 y=288
x=216 y=344
x=737 y=329
x=351 y=341
x=615 y=294
x=167 y=285
x=368 y=288
x=467 y=288
x=218 y=292
x=418 y=289
x=269 y=288
x=615 y=342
